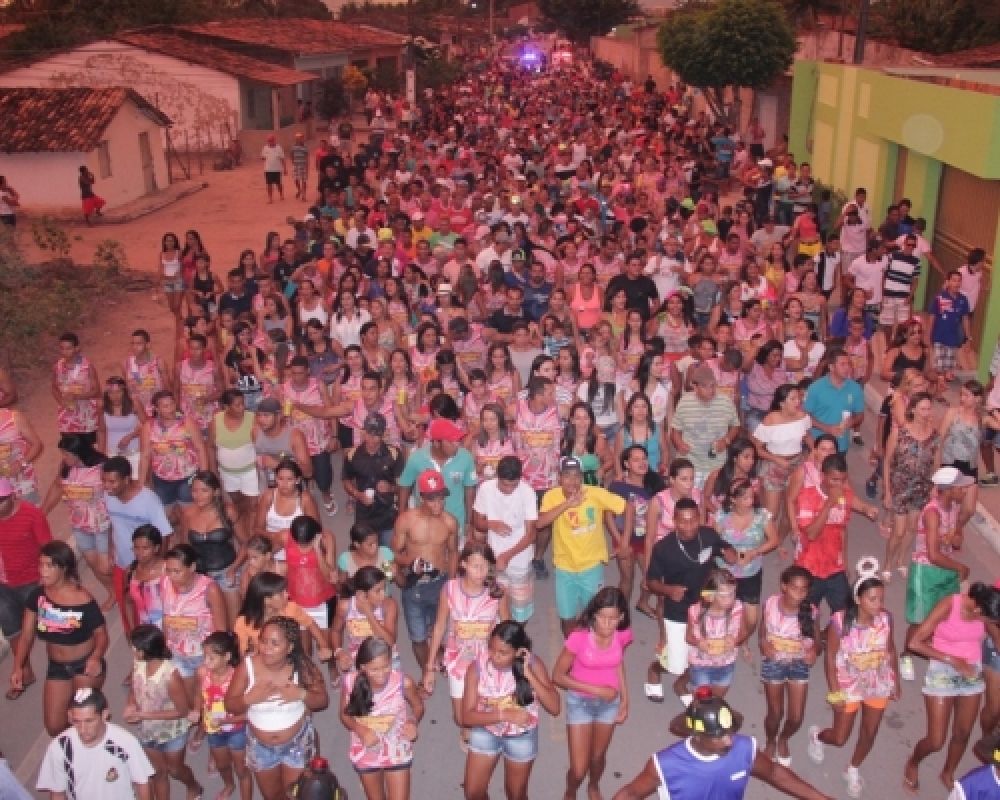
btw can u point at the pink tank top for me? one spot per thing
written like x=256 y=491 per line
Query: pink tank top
x=197 y=383
x=82 y=417
x=316 y=430
x=173 y=456
x=496 y=690
x=588 y=312
x=386 y=719
x=13 y=448
x=959 y=637
x=947 y=523
x=187 y=618
x=473 y=617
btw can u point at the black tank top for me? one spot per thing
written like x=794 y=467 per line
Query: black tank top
x=215 y=549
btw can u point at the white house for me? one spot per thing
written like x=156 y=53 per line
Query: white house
x=46 y=135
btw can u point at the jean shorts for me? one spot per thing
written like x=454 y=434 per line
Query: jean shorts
x=784 y=671
x=520 y=749
x=582 y=709
x=89 y=542
x=173 y=492
x=221 y=578
x=420 y=607
x=943 y=680
x=229 y=740
x=188 y=665
x=295 y=753
x=575 y=589
x=991 y=658
x=712 y=676
x=174 y=745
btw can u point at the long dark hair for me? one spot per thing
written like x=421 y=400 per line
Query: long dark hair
x=61 y=555
x=652 y=481
x=150 y=643
x=807 y=623
x=364 y=580
x=593 y=385
x=851 y=613
x=262 y=586
x=569 y=432
x=727 y=474
x=513 y=634
x=211 y=480
x=482 y=438
x=297 y=657
x=639 y=397
x=128 y=407
x=608 y=597
x=362 y=699
x=78 y=445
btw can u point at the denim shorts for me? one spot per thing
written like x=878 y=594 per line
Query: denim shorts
x=784 y=671
x=295 y=753
x=712 y=676
x=229 y=740
x=89 y=542
x=221 y=578
x=173 y=492
x=991 y=658
x=420 y=607
x=174 y=745
x=188 y=665
x=943 y=680
x=521 y=748
x=582 y=709
x=575 y=589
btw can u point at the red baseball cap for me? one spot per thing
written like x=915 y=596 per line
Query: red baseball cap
x=444 y=430
x=430 y=481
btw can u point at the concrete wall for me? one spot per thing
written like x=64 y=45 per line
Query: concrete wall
x=633 y=59
x=194 y=97
x=827 y=45
x=126 y=182
x=45 y=181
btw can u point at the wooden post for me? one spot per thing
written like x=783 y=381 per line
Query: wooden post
x=197 y=138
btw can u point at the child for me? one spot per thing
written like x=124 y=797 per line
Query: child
x=554 y=338
x=311 y=554
x=473 y=604
x=478 y=396
x=143 y=602
x=364 y=551
x=789 y=649
x=716 y=629
x=373 y=708
x=364 y=609
x=267 y=597
x=860 y=645
x=158 y=704
x=227 y=733
x=503 y=689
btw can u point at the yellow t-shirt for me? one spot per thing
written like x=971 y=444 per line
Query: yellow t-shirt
x=578 y=541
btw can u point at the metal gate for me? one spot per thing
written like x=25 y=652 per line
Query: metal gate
x=968 y=209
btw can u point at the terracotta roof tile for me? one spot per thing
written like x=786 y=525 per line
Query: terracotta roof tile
x=62 y=120
x=299 y=35
x=216 y=58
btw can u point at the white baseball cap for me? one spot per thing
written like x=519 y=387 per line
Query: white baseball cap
x=950 y=478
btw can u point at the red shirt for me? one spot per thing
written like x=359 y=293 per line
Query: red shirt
x=21 y=537
x=824 y=555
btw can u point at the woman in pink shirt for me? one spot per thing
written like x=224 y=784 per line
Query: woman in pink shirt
x=591 y=668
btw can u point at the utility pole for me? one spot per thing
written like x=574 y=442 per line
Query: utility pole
x=861 y=34
x=491 y=27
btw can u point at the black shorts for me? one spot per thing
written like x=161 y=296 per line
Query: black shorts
x=748 y=589
x=965 y=468
x=833 y=588
x=272 y=178
x=67 y=670
x=12 y=603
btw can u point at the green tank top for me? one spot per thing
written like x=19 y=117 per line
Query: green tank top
x=234 y=449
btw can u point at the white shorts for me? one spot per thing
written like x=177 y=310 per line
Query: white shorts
x=456 y=687
x=246 y=483
x=677 y=647
x=320 y=615
x=895 y=311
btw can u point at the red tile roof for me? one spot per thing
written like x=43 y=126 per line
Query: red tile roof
x=170 y=44
x=306 y=36
x=988 y=56
x=62 y=120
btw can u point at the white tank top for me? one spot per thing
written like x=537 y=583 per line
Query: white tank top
x=171 y=266
x=275 y=522
x=319 y=313
x=273 y=715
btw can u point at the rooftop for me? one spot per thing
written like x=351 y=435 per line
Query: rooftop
x=185 y=49
x=302 y=36
x=62 y=120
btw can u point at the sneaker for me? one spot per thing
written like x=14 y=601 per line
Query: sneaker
x=541 y=571
x=989 y=479
x=856 y=438
x=815 y=747
x=854 y=782
x=906 y=671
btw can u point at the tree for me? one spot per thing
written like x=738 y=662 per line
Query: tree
x=581 y=19
x=435 y=72
x=738 y=44
x=938 y=26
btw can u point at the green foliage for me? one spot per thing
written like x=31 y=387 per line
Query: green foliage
x=937 y=26
x=384 y=80
x=581 y=19
x=333 y=99
x=50 y=237
x=437 y=72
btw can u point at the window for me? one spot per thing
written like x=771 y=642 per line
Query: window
x=104 y=159
x=251 y=103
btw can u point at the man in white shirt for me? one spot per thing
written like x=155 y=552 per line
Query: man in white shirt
x=498 y=251
x=94 y=759
x=506 y=510
x=666 y=268
x=868 y=273
x=854 y=224
x=273 y=157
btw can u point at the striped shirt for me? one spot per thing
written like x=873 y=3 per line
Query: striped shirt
x=902 y=272
x=702 y=424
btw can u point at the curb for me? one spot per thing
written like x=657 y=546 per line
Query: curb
x=983 y=521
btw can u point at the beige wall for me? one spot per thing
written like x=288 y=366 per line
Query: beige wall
x=632 y=59
x=46 y=182
x=126 y=182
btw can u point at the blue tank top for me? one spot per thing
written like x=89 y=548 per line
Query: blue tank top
x=981 y=784
x=687 y=776
x=651 y=445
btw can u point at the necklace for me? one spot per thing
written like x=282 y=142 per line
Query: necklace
x=683 y=549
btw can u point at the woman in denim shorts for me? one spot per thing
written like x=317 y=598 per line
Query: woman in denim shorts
x=503 y=689
x=952 y=639
x=280 y=737
x=591 y=668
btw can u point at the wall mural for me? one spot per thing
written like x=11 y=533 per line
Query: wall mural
x=189 y=107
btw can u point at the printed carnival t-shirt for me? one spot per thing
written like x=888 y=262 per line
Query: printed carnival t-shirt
x=578 y=542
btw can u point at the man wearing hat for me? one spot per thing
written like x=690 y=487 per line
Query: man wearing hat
x=273 y=157
x=714 y=762
x=443 y=452
x=576 y=513
x=371 y=472
x=704 y=424
x=935 y=572
x=425 y=545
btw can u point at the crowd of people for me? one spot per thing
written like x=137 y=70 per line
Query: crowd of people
x=553 y=310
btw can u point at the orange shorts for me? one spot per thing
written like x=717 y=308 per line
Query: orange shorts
x=880 y=703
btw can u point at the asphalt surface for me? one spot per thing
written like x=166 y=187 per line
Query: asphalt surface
x=439 y=764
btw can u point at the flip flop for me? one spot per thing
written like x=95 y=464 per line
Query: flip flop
x=653 y=692
x=13 y=694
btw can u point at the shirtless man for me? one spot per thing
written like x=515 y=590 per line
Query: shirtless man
x=425 y=542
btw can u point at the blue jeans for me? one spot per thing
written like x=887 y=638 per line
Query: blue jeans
x=322 y=471
x=583 y=709
x=229 y=740
x=173 y=492
x=295 y=753
x=712 y=676
x=520 y=749
x=420 y=607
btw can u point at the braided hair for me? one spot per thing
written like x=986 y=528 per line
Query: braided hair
x=297 y=656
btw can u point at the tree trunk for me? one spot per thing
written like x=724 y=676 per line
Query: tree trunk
x=735 y=112
x=716 y=102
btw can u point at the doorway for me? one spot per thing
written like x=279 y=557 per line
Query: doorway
x=146 y=157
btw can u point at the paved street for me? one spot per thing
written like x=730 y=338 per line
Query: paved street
x=439 y=764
